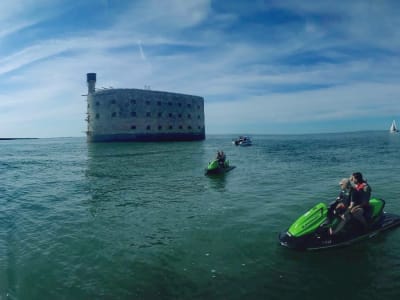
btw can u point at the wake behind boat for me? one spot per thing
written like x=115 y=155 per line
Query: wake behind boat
x=311 y=230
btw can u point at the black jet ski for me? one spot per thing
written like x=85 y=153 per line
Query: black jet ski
x=311 y=230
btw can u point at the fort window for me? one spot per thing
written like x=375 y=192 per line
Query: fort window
x=198 y=106
x=147 y=102
x=148 y=127
x=189 y=105
x=198 y=117
x=180 y=127
x=189 y=116
x=97 y=103
x=114 y=114
x=170 y=127
x=170 y=115
x=148 y=114
x=169 y=103
x=133 y=127
x=179 y=104
x=113 y=101
x=159 y=114
x=133 y=101
x=159 y=103
x=189 y=127
x=159 y=127
x=180 y=116
x=133 y=113
x=97 y=116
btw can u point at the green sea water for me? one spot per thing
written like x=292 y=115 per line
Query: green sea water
x=142 y=221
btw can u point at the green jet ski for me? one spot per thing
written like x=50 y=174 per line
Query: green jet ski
x=217 y=167
x=311 y=230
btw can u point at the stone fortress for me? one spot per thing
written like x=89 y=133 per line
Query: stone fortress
x=142 y=115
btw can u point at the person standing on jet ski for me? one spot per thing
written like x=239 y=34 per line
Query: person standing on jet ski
x=359 y=201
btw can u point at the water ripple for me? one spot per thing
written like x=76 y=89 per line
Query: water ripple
x=141 y=221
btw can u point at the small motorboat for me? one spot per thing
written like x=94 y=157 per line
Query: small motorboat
x=242 y=141
x=218 y=167
x=311 y=230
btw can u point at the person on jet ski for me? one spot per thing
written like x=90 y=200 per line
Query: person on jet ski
x=221 y=158
x=359 y=200
x=339 y=208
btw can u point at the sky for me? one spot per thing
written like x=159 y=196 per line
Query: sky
x=262 y=66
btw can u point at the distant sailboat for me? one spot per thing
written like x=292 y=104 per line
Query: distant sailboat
x=393 y=127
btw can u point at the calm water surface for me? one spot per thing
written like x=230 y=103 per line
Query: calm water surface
x=141 y=221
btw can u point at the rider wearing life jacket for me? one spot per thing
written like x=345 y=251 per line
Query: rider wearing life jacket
x=360 y=195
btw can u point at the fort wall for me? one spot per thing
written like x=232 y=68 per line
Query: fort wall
x=142 y=115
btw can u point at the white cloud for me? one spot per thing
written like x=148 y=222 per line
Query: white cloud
x=246 y=79
x=153 y=16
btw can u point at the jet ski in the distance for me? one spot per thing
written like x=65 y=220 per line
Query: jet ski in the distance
x=218 y=167
x=311 y=230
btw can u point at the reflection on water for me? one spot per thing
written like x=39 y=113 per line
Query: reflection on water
x=217 y=181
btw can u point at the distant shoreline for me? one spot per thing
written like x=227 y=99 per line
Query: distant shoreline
x=10 y=139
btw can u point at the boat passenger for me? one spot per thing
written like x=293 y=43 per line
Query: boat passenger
x=359 y=200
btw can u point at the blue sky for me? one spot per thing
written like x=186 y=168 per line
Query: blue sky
x=267 y=66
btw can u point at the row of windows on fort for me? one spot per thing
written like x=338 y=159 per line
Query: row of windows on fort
x=148 y=114
x=148 y=102
x=170 y=127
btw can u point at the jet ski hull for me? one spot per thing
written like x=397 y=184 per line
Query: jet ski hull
x=220 y=170
x=321 y=239
x=215 y=168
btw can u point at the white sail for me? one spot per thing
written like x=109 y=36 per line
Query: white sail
x=393 y=127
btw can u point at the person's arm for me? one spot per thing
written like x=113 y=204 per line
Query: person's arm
x=367 y=190
x=351 y=196
x=367 y=194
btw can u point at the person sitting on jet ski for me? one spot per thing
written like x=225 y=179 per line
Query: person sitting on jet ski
x=221 y=158
x=339 y=208
x=359 y=201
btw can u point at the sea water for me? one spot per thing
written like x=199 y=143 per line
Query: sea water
x=142 y=221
